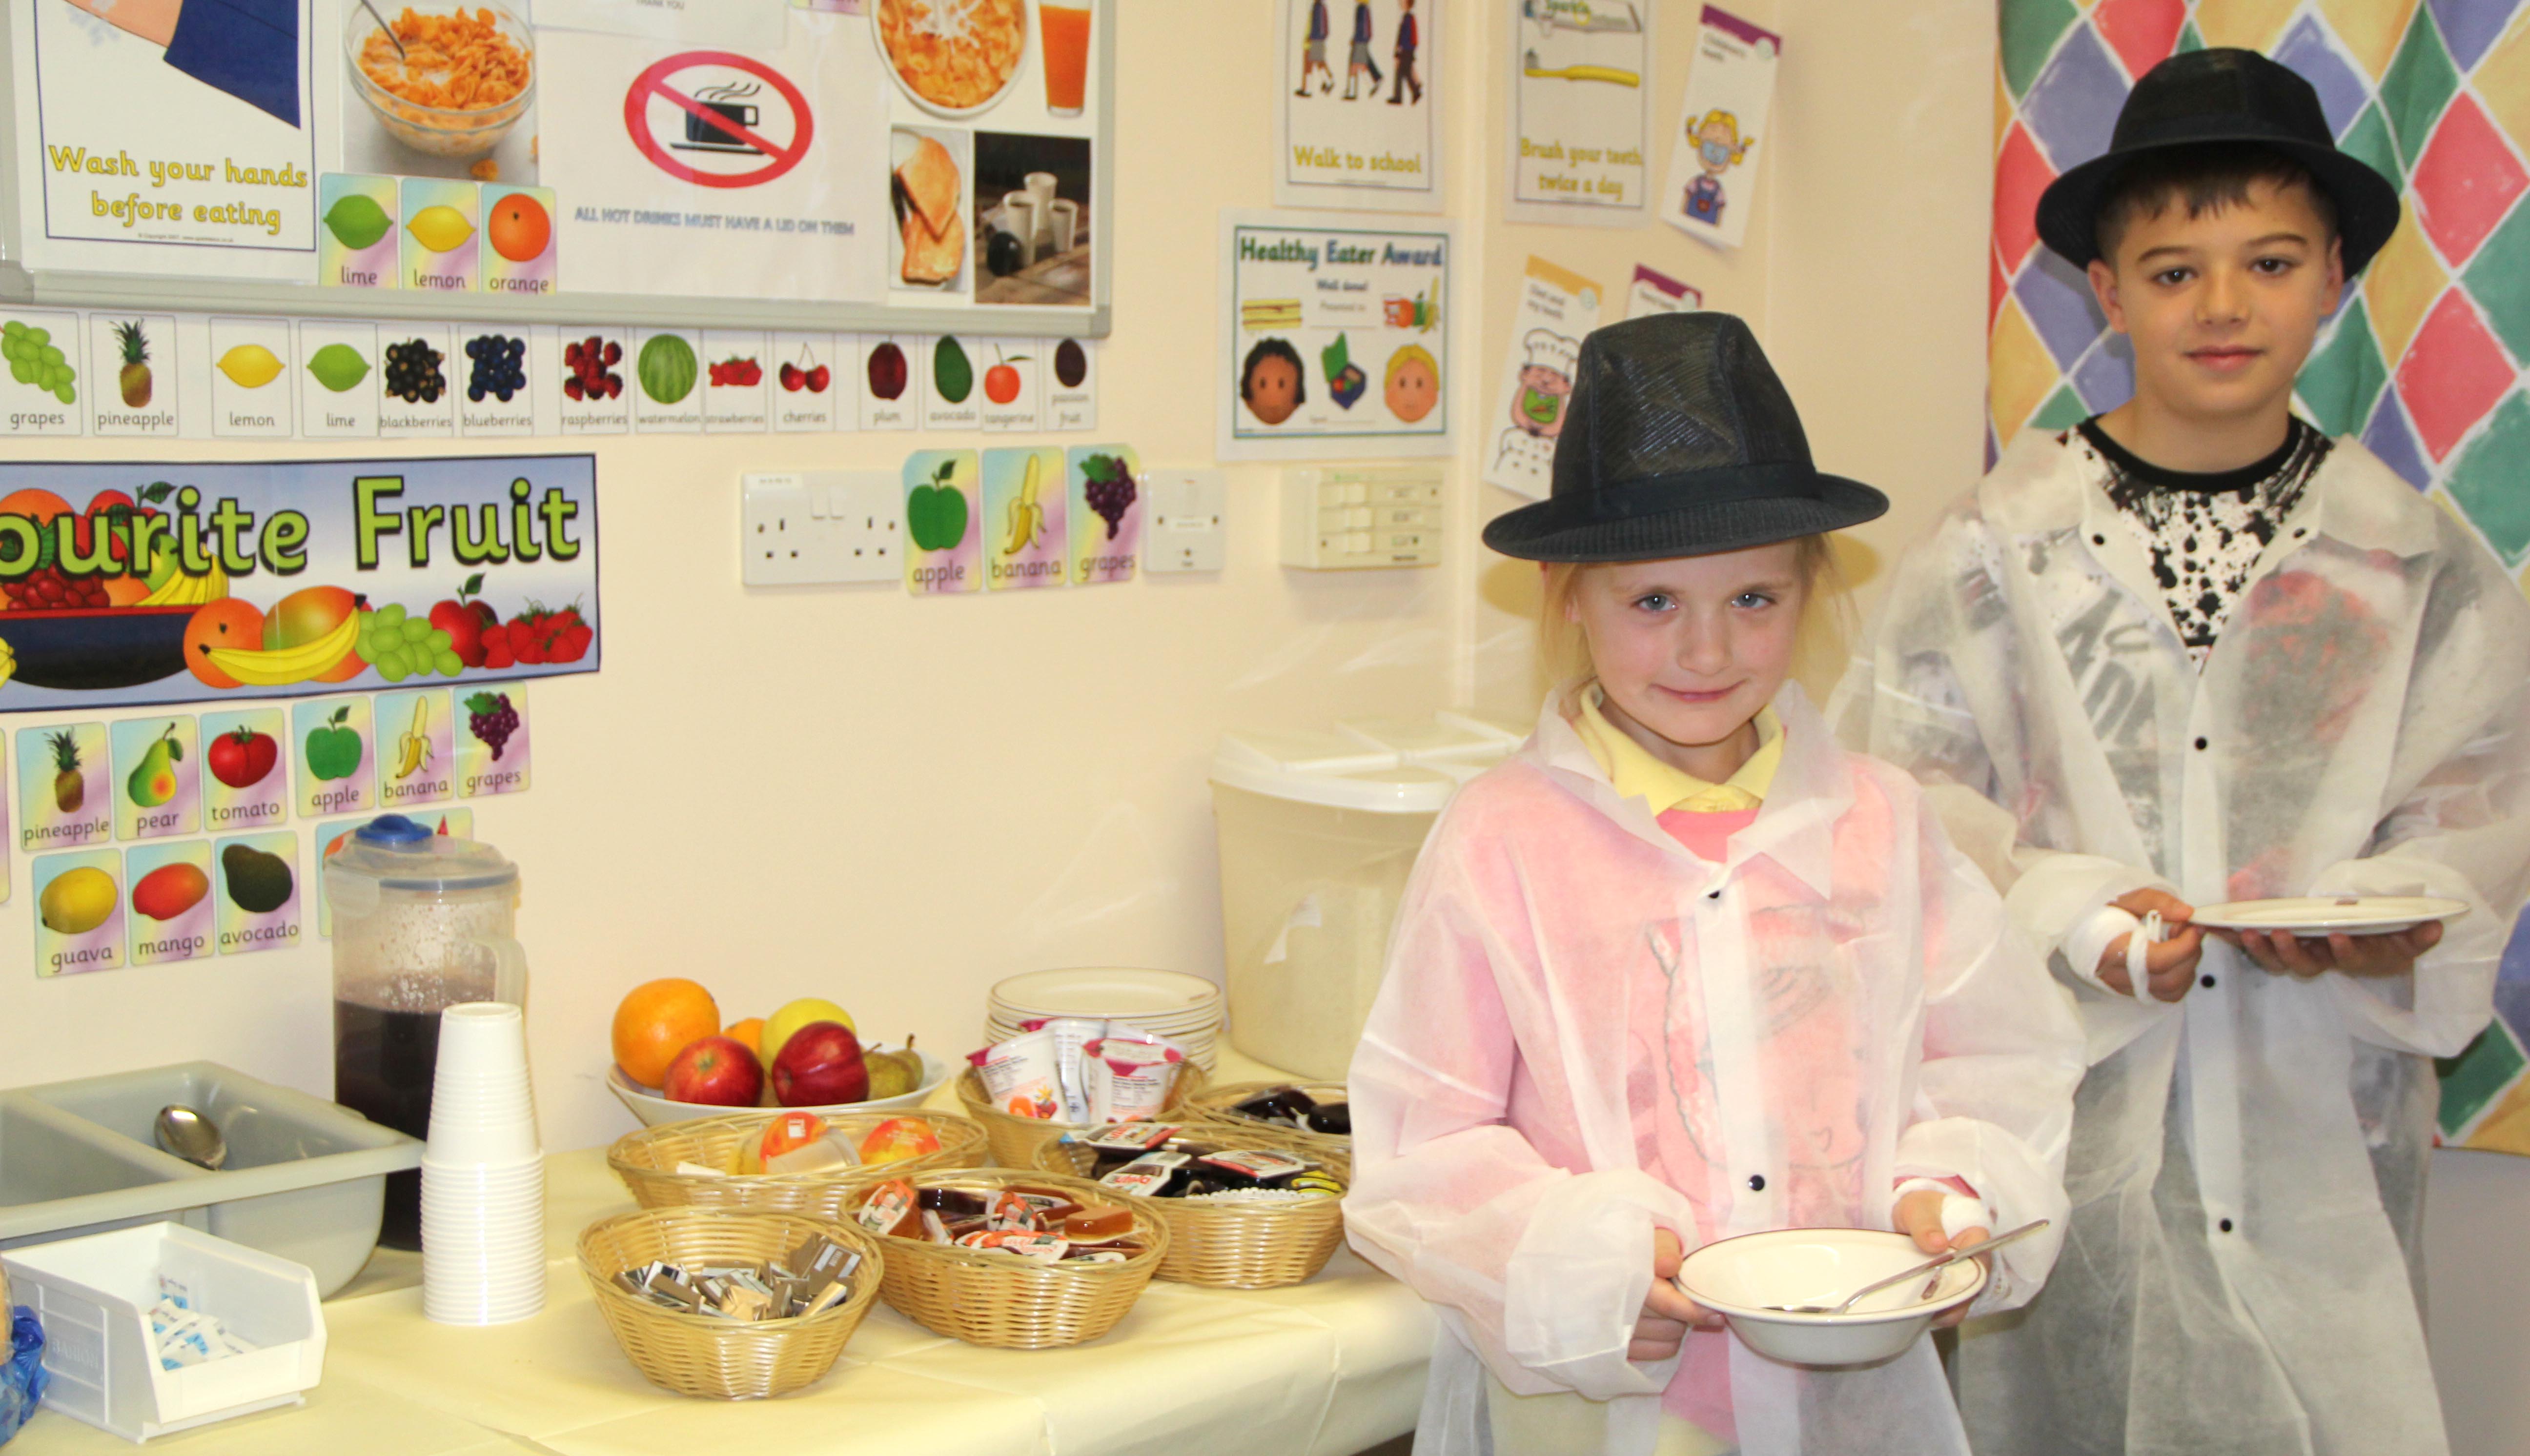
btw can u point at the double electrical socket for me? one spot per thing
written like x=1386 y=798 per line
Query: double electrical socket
x=806 y=528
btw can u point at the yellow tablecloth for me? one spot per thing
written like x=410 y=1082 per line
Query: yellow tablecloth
x=1328 y=1367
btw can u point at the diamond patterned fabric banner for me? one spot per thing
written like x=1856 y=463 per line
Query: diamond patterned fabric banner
x=2426 y=359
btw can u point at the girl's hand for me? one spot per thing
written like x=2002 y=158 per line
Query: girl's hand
x=2170 y=967
x=1919 y=1218
x=1669 y=1315
x=2288 y=954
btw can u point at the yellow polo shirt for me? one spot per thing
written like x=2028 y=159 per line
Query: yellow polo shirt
x=1638 y=775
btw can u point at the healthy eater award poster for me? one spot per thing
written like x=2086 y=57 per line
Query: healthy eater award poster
x=1334 y=337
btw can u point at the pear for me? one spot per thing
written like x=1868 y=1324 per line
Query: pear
x=153 y=783
x=894 y=1073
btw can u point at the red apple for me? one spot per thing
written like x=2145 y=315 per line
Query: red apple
x=464 y=618
x=820 y=1064
x=716 y=1072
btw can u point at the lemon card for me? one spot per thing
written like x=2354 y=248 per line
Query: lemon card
x=251 y=385
x=65 y=788
x=440 y=237
x=1106 y=502
x=79 y=913
x=337 y=769
x=243 y=785
x=491 y=734
x=417 y=762
x=941 y=520
x=356 y=234
x=258 y=893
x=172 y=909
x=1024 y=510
x=330 y=838
x=158 y=777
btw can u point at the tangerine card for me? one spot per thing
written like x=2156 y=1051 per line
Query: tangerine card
x=337 y=769
x=242 y=783
x=418 y=764
x=79 y=913
x=258 y=893
x=64 y=788
x=492 y=742
x=158 y=777
x=941 y=519
x=171 y=902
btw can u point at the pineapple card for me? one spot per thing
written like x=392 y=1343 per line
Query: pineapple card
x=337 y=764
x=942 y=519
x=1106 y=502
x=65 y=788
x=258 y=893
x=417 y=762
x=158 y=777
x=1023 y=518
x=79 y=913
x=132 y=363
x=328 y=838
x=492 y=741
x=172 y=909
x=243 y=785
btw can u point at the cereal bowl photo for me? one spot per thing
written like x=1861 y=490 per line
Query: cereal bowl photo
x=955 y=58
x=1741 y=1278
x=462 y=77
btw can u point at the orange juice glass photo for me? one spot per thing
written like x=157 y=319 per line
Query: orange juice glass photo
x=1066 y=31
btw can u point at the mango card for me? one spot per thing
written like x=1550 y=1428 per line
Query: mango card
x=1106 y=492
x=65 y=788
x=440 y=235
x=243 y=785
x=1024 y=510
x=492 y=741
x=158 y=777
x=941 y=523
x=356 y=234
x=417 y=762
x=258 y=893
x=520 y=254
x=79 y=913
x=337 y=767
x=331 y=836
x=172 y=912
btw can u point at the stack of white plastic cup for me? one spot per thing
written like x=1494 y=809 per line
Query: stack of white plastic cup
x=483 y=1173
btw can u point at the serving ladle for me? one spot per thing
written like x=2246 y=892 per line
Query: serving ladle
x=1933 y=1266
x=190 y=1136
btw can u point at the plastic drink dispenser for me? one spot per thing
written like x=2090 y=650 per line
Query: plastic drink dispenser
x=421 y=921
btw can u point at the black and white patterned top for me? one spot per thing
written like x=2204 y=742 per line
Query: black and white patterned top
x=2205 y=531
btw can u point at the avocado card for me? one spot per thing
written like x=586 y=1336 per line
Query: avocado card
x=243 y=785
x=79 y=913
x=357 y=245
x=1023 y=518
x=1106 y=501
x=65 y=788
x=953 y=401
x=338 y=379
x=734 y=380
x=816 y=381
x=258 y=893
x=942 y=522
x=891 y=398
x=666 y=382
x=330 y=836
x=158 y=777
x=416 y=760
x=1013 y=398
x=337 y=767
x=519 y=254
x=597 y=379
x=441 y=239
x=1070 y=382
x=250 y=378
x=171 y=904
x=418 y=372
x=491 y=734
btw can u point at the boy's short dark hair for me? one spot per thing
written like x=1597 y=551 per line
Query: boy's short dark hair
x=2205 y=178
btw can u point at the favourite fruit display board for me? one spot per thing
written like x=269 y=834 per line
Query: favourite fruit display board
x=834 y=164
x=130 y=583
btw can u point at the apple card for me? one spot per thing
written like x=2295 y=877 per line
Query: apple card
x=337 y=771
x=941 y=510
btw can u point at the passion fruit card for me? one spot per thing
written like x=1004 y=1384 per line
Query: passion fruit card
x=332 y=739
x=243 y=785
x=79 y=913
x=65 y=788
x=1024 y=519
x=172 y=913
x=258 y=893
x=158 y=777
x=942 y=519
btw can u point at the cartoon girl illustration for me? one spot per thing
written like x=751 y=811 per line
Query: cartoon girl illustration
x=1272 y=381
x=1719 y=147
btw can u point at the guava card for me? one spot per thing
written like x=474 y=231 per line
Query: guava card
x=79 y=913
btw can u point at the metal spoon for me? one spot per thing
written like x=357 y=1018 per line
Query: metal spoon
x=190 y=1136
x=392 y=38
x=1928 y=1267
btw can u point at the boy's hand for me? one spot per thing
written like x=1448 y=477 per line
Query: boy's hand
x=2288 y=954
x=1668 y=1314
x=2170 y=967
x=1919 y=1218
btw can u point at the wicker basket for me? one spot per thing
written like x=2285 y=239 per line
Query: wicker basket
x=646 y=1161
x=705 y=1354
x=1234 y=1245
x=1016 y=1139
x=1213 y=1105
x=1013 y=1304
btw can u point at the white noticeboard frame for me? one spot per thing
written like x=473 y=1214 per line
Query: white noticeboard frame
x=277 y=282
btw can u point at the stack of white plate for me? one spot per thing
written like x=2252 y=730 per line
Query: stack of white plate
x=1170 y=1004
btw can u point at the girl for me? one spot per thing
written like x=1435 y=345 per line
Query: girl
x=1683 y=969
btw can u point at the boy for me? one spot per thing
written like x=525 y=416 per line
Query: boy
x=1410 y=38
x=2193 y=651
x=1313 y=51
x=1361 y=62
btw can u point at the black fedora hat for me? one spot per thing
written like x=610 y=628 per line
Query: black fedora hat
x=2231 y=96
x=1678 y=441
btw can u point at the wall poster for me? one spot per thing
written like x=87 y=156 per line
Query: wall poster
x=1579 y=119
x=1357 y=107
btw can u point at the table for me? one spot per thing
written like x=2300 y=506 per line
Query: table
x=1329 y=1368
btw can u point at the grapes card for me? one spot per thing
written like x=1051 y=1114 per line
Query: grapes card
x=1106 y=502
x=492 y=741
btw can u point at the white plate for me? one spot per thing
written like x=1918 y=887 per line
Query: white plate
x=2317 y=915
x=1114 y=993
x=653 y=1110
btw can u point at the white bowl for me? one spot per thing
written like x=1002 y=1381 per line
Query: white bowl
x=653 y=1110
x=886 y=59
x=1735 y=1278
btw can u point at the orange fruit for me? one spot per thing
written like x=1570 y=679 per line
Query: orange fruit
x=125 y=591
x=657 y=1020
x=37 y=506
x=519 y=228
x=749 y=1033
x=230 y=621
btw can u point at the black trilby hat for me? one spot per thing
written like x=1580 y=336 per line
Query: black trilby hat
x=2223 y=95
x=1678 y=441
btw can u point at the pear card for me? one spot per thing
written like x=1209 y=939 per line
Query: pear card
x=157 y=777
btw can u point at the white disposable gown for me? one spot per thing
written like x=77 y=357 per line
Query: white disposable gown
x=1839 y=1005
x=2241 y=1277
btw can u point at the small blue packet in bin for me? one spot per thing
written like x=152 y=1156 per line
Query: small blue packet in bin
x=22 y=1378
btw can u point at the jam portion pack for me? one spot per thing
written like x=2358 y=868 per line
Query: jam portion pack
x=1150 y=1159
x=1043 y=1225
x=1290 y=1106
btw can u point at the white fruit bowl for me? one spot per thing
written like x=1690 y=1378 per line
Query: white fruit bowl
x=653 y=1110
x=1736 y=1277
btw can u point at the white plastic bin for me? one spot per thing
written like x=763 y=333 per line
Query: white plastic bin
x=1318 y=830
x=94 y=1294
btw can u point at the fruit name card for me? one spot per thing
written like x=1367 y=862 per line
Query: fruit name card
x=258 y=892
x=337 y=767
x=943 y=513
x=173 y=917
x=244 y=783
x=79 y=913
x=65 y=793
x=158 y=777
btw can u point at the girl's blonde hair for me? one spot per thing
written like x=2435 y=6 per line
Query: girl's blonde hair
x=1827 y=609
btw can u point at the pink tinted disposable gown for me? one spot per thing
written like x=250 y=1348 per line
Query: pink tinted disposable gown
x=1839 y=1005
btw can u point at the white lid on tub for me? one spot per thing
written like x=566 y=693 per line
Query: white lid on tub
x=1380 y=765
